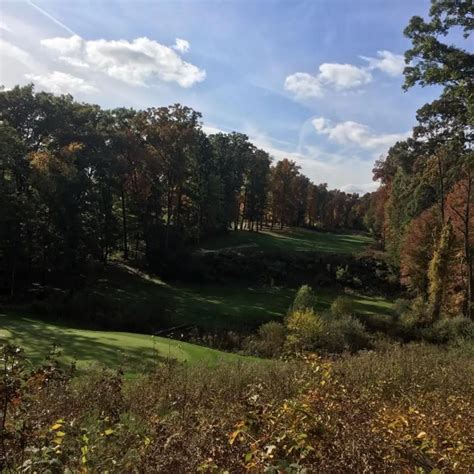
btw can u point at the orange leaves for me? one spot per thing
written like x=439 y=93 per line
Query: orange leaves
x=417 y=250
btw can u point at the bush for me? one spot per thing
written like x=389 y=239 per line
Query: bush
x=450 y=330
x=310 y=332
x=305 y=330
x=269 y=341
x=343 y=334
x=414 y=319
x=401 y=306
x=342 y=306
x=304 y=299
x=343 y=273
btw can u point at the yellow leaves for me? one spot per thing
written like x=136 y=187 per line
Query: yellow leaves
x=208 y=466
x=47 y=163
x=39 y=160
x=71 y=149
x=398 y=422
x=58 y=434
x=238 y=432
x=421 y=435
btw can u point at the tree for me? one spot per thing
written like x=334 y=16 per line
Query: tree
x=417 y=250
x=255 y=188
x=283 y=208
x=78 y=183
x=232 y=152
x=459 y=210
x=429 y=60
x=438 y=270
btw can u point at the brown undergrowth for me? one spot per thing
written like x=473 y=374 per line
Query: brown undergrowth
x=400 y=409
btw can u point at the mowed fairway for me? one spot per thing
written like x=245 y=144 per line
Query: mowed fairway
x=132 y=352
x=292 y=240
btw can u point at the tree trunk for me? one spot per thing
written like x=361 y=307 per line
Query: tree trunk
x=124 y=225
x=467 y=249
x=441 y=186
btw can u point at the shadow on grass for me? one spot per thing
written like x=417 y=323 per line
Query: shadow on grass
x=291 y=240
x=85 y=347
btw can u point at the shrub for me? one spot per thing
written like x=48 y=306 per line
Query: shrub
x=342 y=273
x=269 y=341
x=342 y=306
x=343 y=334
x=380 y=323
x=304 y=299
x=450 y=330
x=414 y=319
x=310 y=332
x=353 y=332
x=401 y=306
x=305 y=330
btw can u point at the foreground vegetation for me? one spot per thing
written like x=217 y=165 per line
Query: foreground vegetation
x=402 y=408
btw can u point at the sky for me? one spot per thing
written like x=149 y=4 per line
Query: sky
x=318 y=82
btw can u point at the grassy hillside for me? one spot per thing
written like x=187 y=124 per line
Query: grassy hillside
x=213 y=306
x=133 y=352
x=290 y=240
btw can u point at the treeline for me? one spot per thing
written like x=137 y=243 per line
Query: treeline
x=78 y=182
x=423 y=210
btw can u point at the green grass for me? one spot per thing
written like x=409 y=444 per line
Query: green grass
x=220 y=307
x=132 y=352
x=211 y=307
x=290 y=240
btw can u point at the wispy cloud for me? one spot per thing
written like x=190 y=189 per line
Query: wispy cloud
x=15 y=52
x=61 y=83
x=51 y=17
x=390 y=63
x=354 y=133
x=181 y=45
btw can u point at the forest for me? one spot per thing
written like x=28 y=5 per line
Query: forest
x=173 y=300
x=80 y=183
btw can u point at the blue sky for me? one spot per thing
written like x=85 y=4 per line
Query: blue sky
x=315 y=81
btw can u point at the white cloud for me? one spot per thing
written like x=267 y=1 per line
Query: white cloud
x=181 y=45
x=343 y=76
x=4 y=26
x=11 y=51
x=61 y=83
x=390 y=63
x=360 y=188
x=137 y=62
x=209 y=129
x=64 y=46
x=320 y=124
x=76 y=62
x=354 y=133
x=330 y=75
x=303 y=85
x=345 y=171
